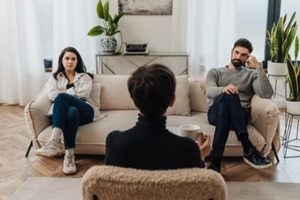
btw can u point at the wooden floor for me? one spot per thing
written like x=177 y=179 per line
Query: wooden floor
x=15 y=168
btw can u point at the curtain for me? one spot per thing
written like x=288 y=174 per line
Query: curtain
x=21 y=64
x=24 y=24
x=211 y=34
x=72 y=19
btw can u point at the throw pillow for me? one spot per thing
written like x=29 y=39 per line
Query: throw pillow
x=197 y=94
x=182 y=102
x=114 y=93
x=95 y=94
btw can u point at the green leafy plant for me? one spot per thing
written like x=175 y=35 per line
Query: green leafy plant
x=293 y=77
x=281 y=38
x=109 y=25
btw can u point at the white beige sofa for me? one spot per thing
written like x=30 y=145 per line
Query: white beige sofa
x=111 y=95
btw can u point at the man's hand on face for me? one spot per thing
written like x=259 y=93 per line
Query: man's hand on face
x=230 y=89
x=252 y=62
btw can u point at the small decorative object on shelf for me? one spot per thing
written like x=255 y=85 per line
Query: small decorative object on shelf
x=48 y=65
x=136 y=49
x=109 y=43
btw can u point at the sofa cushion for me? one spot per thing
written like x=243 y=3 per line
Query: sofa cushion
x=120 y=98
x=95 y=94
x=182 y=102
x=197 y=94
x=114 y=92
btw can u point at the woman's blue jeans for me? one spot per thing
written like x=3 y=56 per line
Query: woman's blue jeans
x=227 y=114
x=68 y=113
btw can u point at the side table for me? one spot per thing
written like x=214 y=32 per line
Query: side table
x=288 y=142
x=133 y=61
x=276 y=77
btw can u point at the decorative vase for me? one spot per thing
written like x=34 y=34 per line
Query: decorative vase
x=293 y=107
x=108 y=44
x=277 y=69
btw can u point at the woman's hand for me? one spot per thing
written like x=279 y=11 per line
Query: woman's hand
x=204 y=143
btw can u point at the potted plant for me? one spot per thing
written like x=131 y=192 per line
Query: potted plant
x=280 y=39
x=293 y=80
x=109 y=27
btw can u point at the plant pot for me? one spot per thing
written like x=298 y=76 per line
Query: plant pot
x=277 y=69
x=293 y=107
x=108 y=43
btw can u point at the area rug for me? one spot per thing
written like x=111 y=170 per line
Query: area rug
x=46 y=188
x=36 y=188
x=263 y=191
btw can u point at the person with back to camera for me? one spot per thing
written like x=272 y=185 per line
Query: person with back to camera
x=229 y=90
x=69 y=89
x=149 y=144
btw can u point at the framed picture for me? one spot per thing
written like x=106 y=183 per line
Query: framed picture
x=146 y=7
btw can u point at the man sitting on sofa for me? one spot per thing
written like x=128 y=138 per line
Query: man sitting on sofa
x=229 y=90
x=149 y=145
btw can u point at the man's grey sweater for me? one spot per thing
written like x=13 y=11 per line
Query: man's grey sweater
x=248 y=81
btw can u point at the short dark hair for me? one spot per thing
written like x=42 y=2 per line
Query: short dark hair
x=152 y=89
x=243 y=42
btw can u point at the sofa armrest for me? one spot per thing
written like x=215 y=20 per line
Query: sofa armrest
x=35 y=113
x=265 y=118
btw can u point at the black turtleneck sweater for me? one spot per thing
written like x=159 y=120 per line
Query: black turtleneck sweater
x=149 y=145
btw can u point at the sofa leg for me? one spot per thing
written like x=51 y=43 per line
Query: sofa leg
x=275 y=153
x=28 y=150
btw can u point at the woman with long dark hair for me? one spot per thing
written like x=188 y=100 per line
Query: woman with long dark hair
x=69 y=89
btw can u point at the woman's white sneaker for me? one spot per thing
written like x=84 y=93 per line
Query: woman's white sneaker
x=69 y=164
x=51 y=149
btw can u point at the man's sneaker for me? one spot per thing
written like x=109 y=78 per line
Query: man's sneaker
x=69 y=164
x=256 y=159
x=51 y=149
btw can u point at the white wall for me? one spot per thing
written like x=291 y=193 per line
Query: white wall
x=161 y=32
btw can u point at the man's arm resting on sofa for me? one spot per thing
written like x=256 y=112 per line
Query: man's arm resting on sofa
x=265 y=118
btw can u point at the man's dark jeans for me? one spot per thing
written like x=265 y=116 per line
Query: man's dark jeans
x=227 y=114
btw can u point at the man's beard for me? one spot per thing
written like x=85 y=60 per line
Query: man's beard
x=237 y=62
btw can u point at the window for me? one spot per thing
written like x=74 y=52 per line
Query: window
x=289 y=7
x=251 y=23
